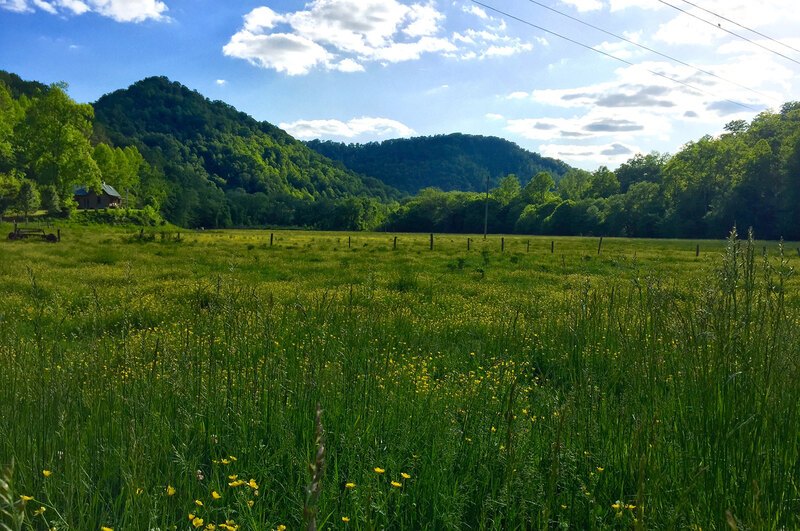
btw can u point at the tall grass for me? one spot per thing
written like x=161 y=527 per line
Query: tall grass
x=623 y=395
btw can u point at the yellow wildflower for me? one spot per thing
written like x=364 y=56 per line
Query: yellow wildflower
x=216 y=495
x=233 y=477
x=47 y=473
x=197 y=522
x=252 y=483
x=345 y=519
x=281 y=528
x=198 y=503
x=616 y=506
x=600 y=469
x=170 y=490
x=396 y=484
x=379 y=470
x=25 y=498
x=192 y=516
x=39 y=511
x=349 y=485
x=250 y=503
x=106 y=529
x=405 y=476
x=237 y=483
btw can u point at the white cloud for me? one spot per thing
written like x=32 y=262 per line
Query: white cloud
x=366 y=126
x=609 y=154
x=346 y=35
x=493 y=116
x=17 y=6
x=221 y=82
x=477 y=11
x=285 y=52
x=119 y=10
x=584 y=5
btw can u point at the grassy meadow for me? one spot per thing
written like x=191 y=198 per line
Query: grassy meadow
x=165 y=383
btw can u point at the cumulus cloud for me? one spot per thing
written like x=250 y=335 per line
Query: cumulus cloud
x=119 y=10
x=364 y=126
x=347 y=35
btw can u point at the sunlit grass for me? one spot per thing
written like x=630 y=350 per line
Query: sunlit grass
x=155 y=380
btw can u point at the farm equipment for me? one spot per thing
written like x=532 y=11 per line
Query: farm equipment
x=21 y=233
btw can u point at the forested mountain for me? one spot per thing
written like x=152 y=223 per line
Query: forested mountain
x=448 y=162
x=224 y=167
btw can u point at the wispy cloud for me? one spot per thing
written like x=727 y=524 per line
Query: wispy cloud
x=364 y=126
x=119 y=10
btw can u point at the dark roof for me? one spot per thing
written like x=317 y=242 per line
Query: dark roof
x=105 y=188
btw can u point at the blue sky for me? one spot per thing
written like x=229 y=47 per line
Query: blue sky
x=364 y=70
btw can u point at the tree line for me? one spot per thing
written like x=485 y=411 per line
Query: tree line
x=748 y=176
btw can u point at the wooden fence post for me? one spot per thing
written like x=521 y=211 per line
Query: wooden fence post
x=552 y=246
x=599 y=245
x=697 y=251
x=502 y=245
x=348 y=242
x=394 y=245
x=469 y=240
x=529 y=247
x=271 y=236
x=431 y=241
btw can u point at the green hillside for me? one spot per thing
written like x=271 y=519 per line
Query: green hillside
x=222 y=166
x=448 y=162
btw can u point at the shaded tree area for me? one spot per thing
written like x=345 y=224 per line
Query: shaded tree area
x=748 y=176
x=454 y=162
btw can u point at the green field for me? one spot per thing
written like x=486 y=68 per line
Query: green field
x=639 y=387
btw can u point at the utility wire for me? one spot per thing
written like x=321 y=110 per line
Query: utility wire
x=776 y=41
x=659 y=74
x=642 y=46
x=751 y=41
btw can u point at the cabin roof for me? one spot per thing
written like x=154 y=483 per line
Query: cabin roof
x=105 y=188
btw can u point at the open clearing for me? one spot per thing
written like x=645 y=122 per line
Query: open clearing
x=167 y=383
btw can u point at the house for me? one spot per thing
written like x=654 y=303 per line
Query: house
x=88 y=199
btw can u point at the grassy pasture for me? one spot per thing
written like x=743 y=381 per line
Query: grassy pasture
x=642 y=387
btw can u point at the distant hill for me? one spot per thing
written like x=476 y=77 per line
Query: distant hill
x=20 y=87
x=208 y=150
x=449 y=162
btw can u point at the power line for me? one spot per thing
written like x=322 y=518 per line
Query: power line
x=659 y=74
x=741 y=26
x=751 y=41
x=642 y=46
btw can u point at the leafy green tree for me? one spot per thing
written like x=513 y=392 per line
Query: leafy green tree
x=641 y=168
x=28 y=198
x=9 y=189
x=54 y=142
x=575 y=184
x=507 y=189
x=603 y=183
x=10 y=114
x=50 y=201
x=537 y=189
